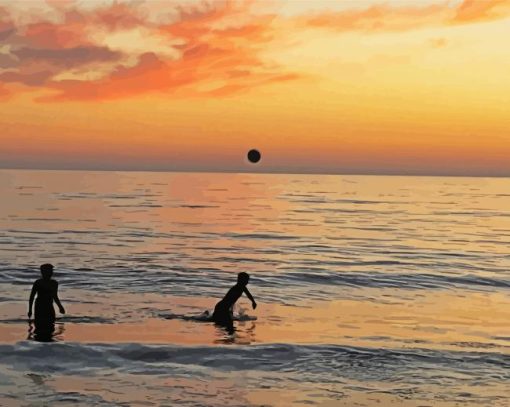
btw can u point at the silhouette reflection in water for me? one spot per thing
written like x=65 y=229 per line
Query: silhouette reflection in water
x=45 y=333
x=243 y=335
x=45 y=292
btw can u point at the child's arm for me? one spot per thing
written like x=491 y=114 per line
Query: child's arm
x=57 y=300
x=31 y=300
x=248 y=294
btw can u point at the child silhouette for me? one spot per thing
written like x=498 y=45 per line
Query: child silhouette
x=223 y=310
x=47 y=291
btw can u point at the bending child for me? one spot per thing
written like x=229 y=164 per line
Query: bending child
x=223 y=311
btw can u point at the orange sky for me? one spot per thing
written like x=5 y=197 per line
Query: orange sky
x=365 y=86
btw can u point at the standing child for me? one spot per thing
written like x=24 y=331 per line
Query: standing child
x=223 y=311
x=47 y=291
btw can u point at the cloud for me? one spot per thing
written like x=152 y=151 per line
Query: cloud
x=65 y=57
x=37 y=66
x=192 y=49
x=150 y=74
x=5 y=32
x=27 y=78
x=476 y=10
x=385 y=17
x=381 y=17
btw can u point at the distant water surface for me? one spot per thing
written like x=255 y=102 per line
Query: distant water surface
x=371 y=290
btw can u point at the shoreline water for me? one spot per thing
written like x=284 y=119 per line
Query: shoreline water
x=404 y=375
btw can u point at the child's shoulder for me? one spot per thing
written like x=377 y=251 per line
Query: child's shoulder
x=42 y=281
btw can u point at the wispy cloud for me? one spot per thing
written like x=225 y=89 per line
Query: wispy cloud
x=382 y=17
x=482 y=10
x=397 y=17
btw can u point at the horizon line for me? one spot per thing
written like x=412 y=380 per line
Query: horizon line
x=269 y=172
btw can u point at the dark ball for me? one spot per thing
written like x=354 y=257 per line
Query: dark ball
x=254 y=156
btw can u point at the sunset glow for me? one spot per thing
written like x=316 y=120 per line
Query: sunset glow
x=367 y=86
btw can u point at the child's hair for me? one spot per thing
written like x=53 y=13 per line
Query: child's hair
x=46 y=270
x=243 y=278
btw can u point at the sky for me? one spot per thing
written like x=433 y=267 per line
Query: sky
x=357 y=86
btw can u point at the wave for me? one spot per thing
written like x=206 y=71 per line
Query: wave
x=332 y=361
x=300 y=281
x=84 y=319
x=408 y=281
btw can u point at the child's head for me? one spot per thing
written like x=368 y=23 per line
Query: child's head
x=243 y=278
x=47 y=271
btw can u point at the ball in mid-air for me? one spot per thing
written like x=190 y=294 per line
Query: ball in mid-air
x=254 y=156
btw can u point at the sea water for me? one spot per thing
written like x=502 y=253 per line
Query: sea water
x=372 y=290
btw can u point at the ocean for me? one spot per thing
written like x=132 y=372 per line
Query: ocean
x=371 y=290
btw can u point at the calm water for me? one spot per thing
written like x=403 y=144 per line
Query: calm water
x=371 y=290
